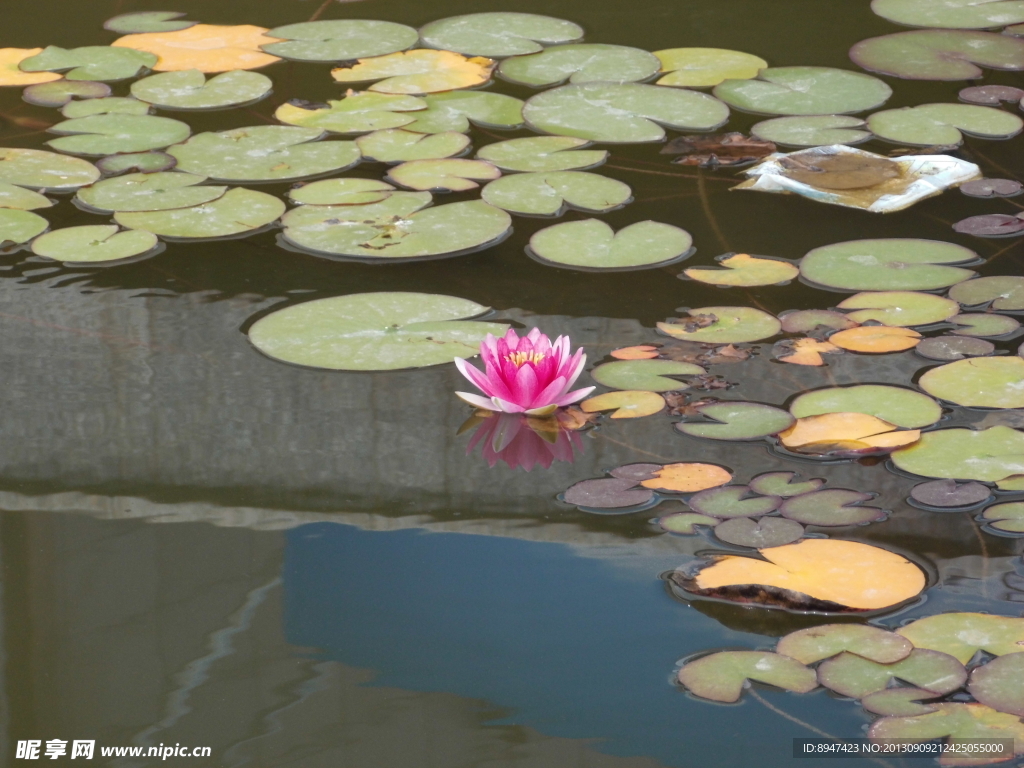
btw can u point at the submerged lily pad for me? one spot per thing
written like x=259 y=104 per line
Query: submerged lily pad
x=812 y=130
x=808 y=320
x=896 y=405
x=109 y=105
x=954 y=348
x=622 y=113
x=20 y=226
x=684 y=522
x=688 y=477
x=149 y=192
x=111 y=134
x=264 y=153
x=147 y=21
x=816 y=643
x=831 y=507
x=358 y=112
x=627 y=404
x=951 y=14
x=957 y=722
x=648 y=375
x=1000 y=684
x=142 y=162
x=805 y=91
x=420 y=70
x=607 y=493
x=896 y=263
x=930 y=124
x=581 y=63
x=342 y=192
x=704 y=67
x=189 y=89
x=899 y=308
x=456 y=110
x=984 y=325
x=1005 y=518
x=592 y=244
x=992 y=187
x=737 y=421
x=744 y=270
x=949 y=494
x=766 y=532
x=397 y=231
x=550 y=194
x=38 y=169
x=729 y=325
x=961 y=635
x=93 y=244
x=339 y=39
x=60 y=92
x=876 y=339
x=938 y=54
x=899 y=702
x=783 y=484
x=395 y=145
x=92 y=62
x=851 y=675
x=636 y=472
x=722 y=676
x=542 y=154
x=985 y=382
x=498 y=34
x=237 y=211
x=448 y=175
x=732 y=501
x=987 y=455
x=21 y=199
x=374 y=331
x=1005 y=292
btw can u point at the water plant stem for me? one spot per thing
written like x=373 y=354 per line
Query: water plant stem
x=705 y=204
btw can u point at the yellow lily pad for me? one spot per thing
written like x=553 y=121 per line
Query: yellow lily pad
x=627 y=403
x=418 y=71
x=10 y=58
x=744 y=270
x=206 y=47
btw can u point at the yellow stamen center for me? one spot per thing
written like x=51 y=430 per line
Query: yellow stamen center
x=518 y=359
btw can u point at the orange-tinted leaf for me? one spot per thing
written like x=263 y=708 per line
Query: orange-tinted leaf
x=206 y=47
x=688 y=477
x=808 y=351
x=422 y=70
x=876 y=338
x=573 y=419
x=643 y=352
x=10 y=58
x=627 y=403
x=847 y=431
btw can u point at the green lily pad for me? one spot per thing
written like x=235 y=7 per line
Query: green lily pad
x=542 y=154
x=395 y=145
x=851 y=675
x=899 y=702
x=738 y=421
x=816 y=643
x=958 y=722
x=1005 y=292
x=111 y=134
x=987 y=455
x=684 y=522
x=21 y=199
x=625 y=404
x=951 y=14
x=937 y=54
x=189 y=89
x=149 y=192
x=20 y=226
x=141 y=162
x=981 y=382
x=456 y=110
x=742 y=270
x=807 y=320
x=374 y=331
x=38 y=169
x=342 y=192
x=805 y=91
x=147 y=21
x=1000 y=684
x=264 y=153
x=57 y=93
x=93 y=244
x=812 y=130
x=902 y=309
x=358 y=112
x=353 y=231
x=92 y=62
x=731 y=325
x=722 y=676
x=758 y=534
x=237 y=211
x=581 y=63
x=592 y=244
x=622 y=113
x=450 y=175
x=962 y=635
x=551 y=194
x=729 y=501
x=933 y=124
x=1005 y=518
x=340 y=39
x=985 y=325
x=948 y=348
x=647 y=375
x=704 y=67
x=783 y=484
x=896 y=405
x=896 y=263
x=832 y=507
x=109 y=105
x=498 y=35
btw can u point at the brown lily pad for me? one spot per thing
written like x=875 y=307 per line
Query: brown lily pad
x=637 y=472
x=723 y=149
x=949 y=494
x=992 y=187
x=991 y=94
x=954 y=348
x=990 y=225
x=765 y=532
x=607 y=493
x=841 y=171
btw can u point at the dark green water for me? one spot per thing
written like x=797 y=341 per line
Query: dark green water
x=201 y=546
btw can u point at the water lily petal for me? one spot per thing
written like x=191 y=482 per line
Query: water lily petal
x=572 y=397
x=506 y=407
x=549 y=394
x=526 y=386
x=477 y=401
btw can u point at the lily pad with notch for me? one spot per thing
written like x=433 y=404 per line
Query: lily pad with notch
x=730 y=501
x=743 y=270
x=962 y=635
x=147 y=21
x=985 y=382
x=93 y=244
x=1004 y=519
x=817 y=643
x=897 y=263
x=728 y=325
x=1001 y=292
x=112 y=134
x=784 y=484
x=804 y=91
x=141 y=162
x=984 y=325
x=417 y=71
x=1000 y=684
x=706 y=67
x=737 y=421
x=12 y=75
x=876 y=339
x=91 y=62
x=626 y=404
x=987 y=455
x=899 y=702
x=189 y=89
x=899 y=308
x=107 y=105
x=358 y=112
x=457 y=110
x=395 y=145
x=896 y=405
x=929 y=124
x=938 y=54
x=845 y=434
x=832 y=507
x=949 y=494
x=812 y=130
x=344 y=192
x=723 y=676
x=607 y=493
x=206 y=47
x=236 y=212
x=552 y=193
x=957 y=723
x=851 y=675
x=498 y=34
x=374 y=331
x=542 y=154
x=811 y=320
x=339 y=39
x=591 y=244
x=39 y=169
x=990 y=225
x=580 y=63
x=21 y=199
x=59 y=92
x=806 y=351
x=684 y=522
x=951 y=14
x=149 y=192
x=646 y=375
x=446 y=175
x=638 y=472
x=992 y=187
x=765 y=532
x=688 y=477
x=954 y=348
x=19 y=227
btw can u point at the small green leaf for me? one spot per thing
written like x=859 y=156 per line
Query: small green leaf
x=59 y=92
x=722 y=676
x=832 y=507
x=580 y=63
x=812 y=130
x=1005 y=518
x=542 y=154
x=737 y=421
x=984 y=382
x=355 y=192
x=1000 y=684
x=395 y=145
x=684 y=522
x=851 y=675
x=938 y=54
x=498 y=34
x=339 y=39
x=358 y=112
x=141 y=22
x=987 y=455
x=456 y=110
x=951 y=14
x=732 y=501
x=551 y=194
x=110 y=105
x=448 y=175
x=20 y=226
x=22 y=199
x=592 y=244
x=93 y=244
x=816 y=643
x=648 y=375
x=784 y=484
x=189 y=89
x=111 y=134
x=1005 y=292
x=92 y=62
x=38 y=169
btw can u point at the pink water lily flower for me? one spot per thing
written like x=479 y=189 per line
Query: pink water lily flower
x=525 y=375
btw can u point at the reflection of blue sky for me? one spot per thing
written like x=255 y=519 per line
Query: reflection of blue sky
x=573 y=646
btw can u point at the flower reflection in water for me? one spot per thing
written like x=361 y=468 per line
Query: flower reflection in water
x=522 y=441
